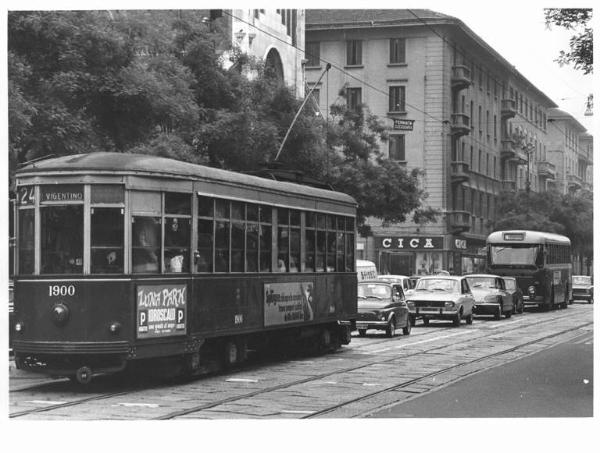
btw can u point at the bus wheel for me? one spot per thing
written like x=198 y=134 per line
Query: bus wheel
x=84 y=375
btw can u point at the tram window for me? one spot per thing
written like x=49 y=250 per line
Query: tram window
x=205 y=245
x=107 y=240
x=62 y=239
x=221 y=245
x=309 y=242
x=349 y=224
x=266 y=215
x=340 y=251
x=331 y=236
x=252 y=213
x=265 y=241
x=294 y=249
x=177 y=244
x=107 y=193
x=237 y=210
x=177 y=203
x=320 y=258
x=205 y=207
x=310 y=220
x=283 y=248
x=222 y=209
x=350 y=263
x=237 y=246
x=26 y=241
x=252 y=231
x=294 y=217
x=146 y=244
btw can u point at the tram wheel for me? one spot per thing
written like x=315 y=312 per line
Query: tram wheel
x=230 y=353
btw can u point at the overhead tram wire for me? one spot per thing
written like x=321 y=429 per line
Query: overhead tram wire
x=482 y=145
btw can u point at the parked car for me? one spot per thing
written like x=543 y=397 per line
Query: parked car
x=491 y=297
x=583 y=288
x=442 y=297
x=406 y=282
x=382 y=306
x=517 y=294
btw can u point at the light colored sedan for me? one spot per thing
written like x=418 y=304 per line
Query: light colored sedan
x=491 y=296
x=442 y=297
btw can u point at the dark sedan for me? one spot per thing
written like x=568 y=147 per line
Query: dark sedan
x=491 y=297
x=382 y=306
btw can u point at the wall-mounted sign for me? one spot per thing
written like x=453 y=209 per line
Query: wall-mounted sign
x=460 y=244
x=409 y=242
x=161 y=310
x=63 y=192
x=403 y=124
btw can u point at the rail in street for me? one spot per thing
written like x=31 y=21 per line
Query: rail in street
x=369 y=374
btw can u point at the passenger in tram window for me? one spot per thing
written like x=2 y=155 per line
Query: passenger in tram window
x=293 y=266
x=281 y=265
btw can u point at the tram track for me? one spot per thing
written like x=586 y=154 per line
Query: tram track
x=363 y=349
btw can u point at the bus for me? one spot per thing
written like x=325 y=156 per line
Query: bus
x=123 y=257
x=540 y=262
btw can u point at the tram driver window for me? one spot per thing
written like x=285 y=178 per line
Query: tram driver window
x=177 y=232
x=107 y=240
x=62 y=239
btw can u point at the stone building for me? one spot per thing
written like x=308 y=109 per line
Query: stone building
x=455 y=108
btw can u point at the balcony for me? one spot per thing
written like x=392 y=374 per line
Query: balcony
x=461 y=77
x=459 y=172
x=508 y=148
x=546 y=169
x=508 y=108
x=458 y=221
x=574 y=181
x=460 y=124
x=508 y=185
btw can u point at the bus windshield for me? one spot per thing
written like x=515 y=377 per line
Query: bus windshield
x=516 y=255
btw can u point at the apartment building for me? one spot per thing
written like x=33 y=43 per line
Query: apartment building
x=271 y=35
x=454 y=107
x=570 y=150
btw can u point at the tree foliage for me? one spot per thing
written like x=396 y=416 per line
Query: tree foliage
x=152 y=82
x=570 y=215
x=581 y=53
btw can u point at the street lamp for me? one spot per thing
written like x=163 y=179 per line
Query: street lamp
x=528 y=148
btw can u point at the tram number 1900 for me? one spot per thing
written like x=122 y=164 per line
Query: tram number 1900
x=61 y=290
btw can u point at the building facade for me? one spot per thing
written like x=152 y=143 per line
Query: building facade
x=271 y=35
x=454 y=107
x=570 y=151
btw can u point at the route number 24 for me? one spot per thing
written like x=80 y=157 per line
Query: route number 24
x=61 y=290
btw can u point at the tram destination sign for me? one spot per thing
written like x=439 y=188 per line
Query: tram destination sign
x=161 y=310
x=62 y=192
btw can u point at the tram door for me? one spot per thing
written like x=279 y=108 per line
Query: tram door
x=396 y=263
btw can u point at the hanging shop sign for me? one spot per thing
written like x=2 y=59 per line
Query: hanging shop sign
x=403 y=124
x=409 y=242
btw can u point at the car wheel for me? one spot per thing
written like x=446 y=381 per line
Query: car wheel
x=456 y=319
x=498 y=314
x=406 y=329
x=362 y=332
x=469 y=319
x=508 y=314
x=425 y=321
x=391 y=328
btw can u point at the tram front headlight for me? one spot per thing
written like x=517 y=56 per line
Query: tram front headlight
x=19 y=327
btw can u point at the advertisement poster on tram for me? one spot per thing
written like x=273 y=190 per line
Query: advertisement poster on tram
x=161 y=310
x=288 y=302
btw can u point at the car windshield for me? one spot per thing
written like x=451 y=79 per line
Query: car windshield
x=582 y=280
x=437 y=284
x=482 y=282
x=374 y=291
x=515 y=255
x=510 y=284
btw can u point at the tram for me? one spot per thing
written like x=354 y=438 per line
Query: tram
x=123 y=258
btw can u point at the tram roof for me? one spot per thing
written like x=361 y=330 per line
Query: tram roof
x=529 y=237
x=128 y=163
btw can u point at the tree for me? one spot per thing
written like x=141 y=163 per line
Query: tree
x=581 y=53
